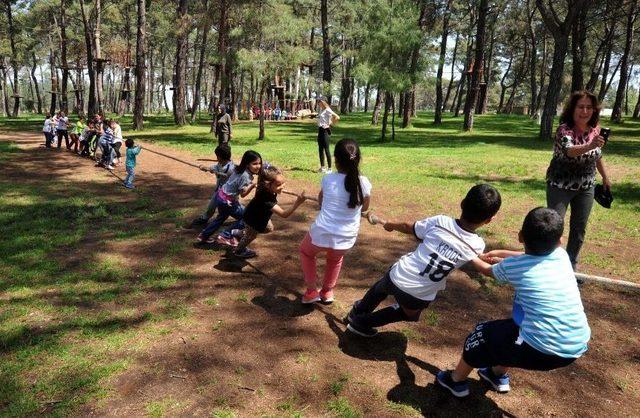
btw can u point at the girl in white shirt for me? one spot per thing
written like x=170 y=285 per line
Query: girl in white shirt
x=343 y=197
x=326 y=118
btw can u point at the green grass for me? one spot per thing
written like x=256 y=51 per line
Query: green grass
x=65 y=331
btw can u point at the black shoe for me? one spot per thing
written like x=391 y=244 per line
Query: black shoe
x=366 y=332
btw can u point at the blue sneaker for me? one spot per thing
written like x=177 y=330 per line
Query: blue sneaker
x=499 y=383
x=458 y=389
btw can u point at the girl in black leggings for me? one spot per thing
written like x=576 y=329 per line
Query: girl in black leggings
x=326 y=118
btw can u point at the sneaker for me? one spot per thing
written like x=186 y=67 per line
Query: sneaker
x=310 y=296
x=458 y=389
x=110 y=167
x=98 y=164
x=499 y=383
x=326 y=296
x=129 y=186
x=366 y=332
x=322 y=170
x=246 y=253
x=328 y=171
x=230 y=241
x=202 y=240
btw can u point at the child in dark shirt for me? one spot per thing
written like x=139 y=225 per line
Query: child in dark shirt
x=257 y=215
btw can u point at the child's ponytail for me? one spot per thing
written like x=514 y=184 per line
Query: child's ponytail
x=347 y=155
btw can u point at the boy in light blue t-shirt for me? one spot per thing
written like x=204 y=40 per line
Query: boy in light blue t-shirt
x=548 y=328
x=132 y=153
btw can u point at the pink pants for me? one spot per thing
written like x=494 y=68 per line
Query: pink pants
x=308 y=253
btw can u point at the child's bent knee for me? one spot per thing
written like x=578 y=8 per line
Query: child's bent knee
x=411 y=315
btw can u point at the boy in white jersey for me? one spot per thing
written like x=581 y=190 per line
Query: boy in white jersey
x=548 y=328
x=415 y=279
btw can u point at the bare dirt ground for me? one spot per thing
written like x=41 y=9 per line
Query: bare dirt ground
x=256 y=350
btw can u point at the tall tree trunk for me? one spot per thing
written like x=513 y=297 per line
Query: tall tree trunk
x=179 y=84
x=150 y=82
x=14 y=58
x=478 y=68
x=326 y=50
x=54 y=82
x=100 y=62
x=503 y=86
x=616 y=114
x=203 y=47
x=388 y=99
x=5 y=94
x=221 y=68
x=453 y=68
x=578 y=45
x=367 y=94
x=376 y=107
x=63 y=56
x=393 y=119
x=141 y=58
x=91 y=105
x=163 y=82
x=437 y=120
x=560 y=31
x=413 y=68
x=533 y=59
x=35 y=82
x=262 y=109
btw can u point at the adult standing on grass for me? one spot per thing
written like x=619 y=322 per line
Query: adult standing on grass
x=326 y=118
x=571 y=176
x=222 y=125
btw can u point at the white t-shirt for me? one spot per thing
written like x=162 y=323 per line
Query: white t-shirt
x=324 y=118
x=117 y=134
x=62 y=123
x=445 y=246
x=47 y=125
x=337 y=224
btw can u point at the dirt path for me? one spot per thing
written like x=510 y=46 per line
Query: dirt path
x=248 y=345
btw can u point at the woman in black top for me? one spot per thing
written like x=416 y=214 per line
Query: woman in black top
x=222 y=126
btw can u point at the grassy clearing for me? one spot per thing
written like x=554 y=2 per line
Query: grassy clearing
x=64 y=331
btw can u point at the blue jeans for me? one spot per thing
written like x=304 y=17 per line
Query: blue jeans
x=131 y=174
x=106 y=152
x=235 y=210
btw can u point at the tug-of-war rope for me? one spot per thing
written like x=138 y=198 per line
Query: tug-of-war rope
x=376 y=220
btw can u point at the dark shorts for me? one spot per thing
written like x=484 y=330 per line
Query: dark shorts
x=496 y=343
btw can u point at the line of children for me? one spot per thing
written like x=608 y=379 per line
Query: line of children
x=239 y=184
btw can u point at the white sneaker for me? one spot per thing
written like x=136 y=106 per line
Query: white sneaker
x=110 y=167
